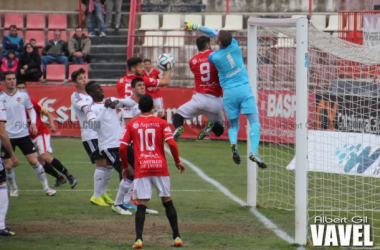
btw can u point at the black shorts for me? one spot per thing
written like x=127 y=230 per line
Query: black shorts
x=112 y=155
x=2 y=173
x=25 y=144
x=92 y=150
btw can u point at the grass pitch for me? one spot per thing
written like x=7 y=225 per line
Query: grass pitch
x=207 y=218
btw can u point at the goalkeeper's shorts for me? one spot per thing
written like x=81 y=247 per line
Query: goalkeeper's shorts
x=238 y=100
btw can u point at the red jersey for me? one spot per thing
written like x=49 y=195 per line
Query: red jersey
x=205 y=74
x=148 y=134
x=41 y=127
x=124 y=88
x=155 y=74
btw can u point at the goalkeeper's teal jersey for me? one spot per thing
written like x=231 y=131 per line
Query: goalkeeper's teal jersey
x=230 y=65
x=228 y=61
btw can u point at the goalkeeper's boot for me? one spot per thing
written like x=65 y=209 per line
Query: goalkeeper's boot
x=107 y=199
x=177 y=132
x=206 y=130
x=235 y=154
x=255 y=158
x=177 y=242
x=138 y=244
x=120 y=209
x=98 y=201
x=7 y=232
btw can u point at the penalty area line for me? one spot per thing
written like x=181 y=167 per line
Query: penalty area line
x=267 y=222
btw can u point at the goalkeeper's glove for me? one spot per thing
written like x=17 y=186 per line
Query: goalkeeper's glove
x=191 y=26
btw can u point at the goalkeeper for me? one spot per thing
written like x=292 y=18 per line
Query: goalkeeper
x=237 y=97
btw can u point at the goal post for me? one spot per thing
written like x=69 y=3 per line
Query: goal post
x=300 y=204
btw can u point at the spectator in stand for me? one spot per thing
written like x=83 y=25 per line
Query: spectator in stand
x=110 y=4
x=33 y=42
x=55 y=51
x=9 y=62
x=79 y=47
x=29 y=68
x=94 y=8
x=13 y=41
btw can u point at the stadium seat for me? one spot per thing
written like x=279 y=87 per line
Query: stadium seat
x=233 y=22
x=284 y=41
x=55 y=72
x=35 y=21
x=319 y=21
x=13 y=19
x=178 y=41
x=333 y=23
x=57 y=22
x=19 y=32
x=213 y=21
x=171 y=22
x=63 y=35
x=194 y=19
x=39 y=35
x=151 y=40
x=149 y=22
x=72 y=32
x=299 y=16
x=75 y=67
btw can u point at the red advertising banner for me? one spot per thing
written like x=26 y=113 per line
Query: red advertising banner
x=277 y=112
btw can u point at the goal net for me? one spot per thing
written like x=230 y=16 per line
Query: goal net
x=340 y=144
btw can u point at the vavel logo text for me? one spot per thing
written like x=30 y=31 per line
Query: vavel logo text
x=328 y=231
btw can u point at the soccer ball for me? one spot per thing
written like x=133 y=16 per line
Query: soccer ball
x=165 y=62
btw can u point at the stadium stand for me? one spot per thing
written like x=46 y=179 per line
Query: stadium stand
x=73 y=68
x=333 y=23
x=233 y=22
x=150 y=22
x=194 y=18
x=177 y=41
x=55 y=72
x=171 y=22
x=57 y=22
x=51 y=35
x=213 y=21
x=39 y=35
x=319 y=21
x=19 y=32
x=153 y=38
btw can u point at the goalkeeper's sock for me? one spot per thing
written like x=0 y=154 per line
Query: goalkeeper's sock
x=139 y=221
x=171 y=213
x=254 y=132
x=233 y=130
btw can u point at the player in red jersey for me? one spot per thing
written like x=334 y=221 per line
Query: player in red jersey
x=148 y=134
x=42 y=141
x=136 y=69
x=207 y=99
x=155 y=93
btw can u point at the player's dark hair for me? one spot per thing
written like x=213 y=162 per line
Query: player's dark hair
x=18 y=82
x=146 y=103
x=225 y=38
x=76 y=73
x=147 y=60
x=132 y=62
x=7 y=73
x=202 y=42
x=135 y=81
x=90 y=86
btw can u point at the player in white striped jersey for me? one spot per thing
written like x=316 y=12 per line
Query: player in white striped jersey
x=79 y=103
x=102 y=117
x=15 y=102
x=4 y=201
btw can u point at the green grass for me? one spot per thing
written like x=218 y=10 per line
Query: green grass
x=207 y=218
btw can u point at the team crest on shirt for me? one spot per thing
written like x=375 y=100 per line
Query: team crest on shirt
x=135 y=125
x=195 y=61
x=19 y=100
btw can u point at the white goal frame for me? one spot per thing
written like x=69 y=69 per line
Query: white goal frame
x=301 y=170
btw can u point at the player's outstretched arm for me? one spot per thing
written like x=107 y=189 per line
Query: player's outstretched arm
x=165 y=80
x=174 y=151
x=208 y=31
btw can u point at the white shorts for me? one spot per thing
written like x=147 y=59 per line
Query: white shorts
x=203 y=104
x=42 y=142
x=158 y=104
x=142 y=187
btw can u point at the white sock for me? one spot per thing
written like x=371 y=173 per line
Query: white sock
x=98 y=181
x=40 y=173
x=3 y=204
x=11 y=179
x=124 y=187
x=107 y=177
x=127 y=196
